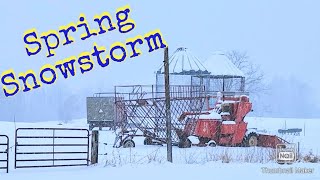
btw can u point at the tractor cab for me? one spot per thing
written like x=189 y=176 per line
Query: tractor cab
x=233 y=128
x=228 y=125
x=224 y=124
x=226 y=112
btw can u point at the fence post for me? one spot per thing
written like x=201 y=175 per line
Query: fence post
x=15 y=148
x=7 y=154
x=94 y=147
x=298 y=154
x=168 y=108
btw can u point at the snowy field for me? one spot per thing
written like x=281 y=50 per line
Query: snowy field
x=149 y=162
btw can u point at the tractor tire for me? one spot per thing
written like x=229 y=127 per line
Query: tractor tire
x=203 y=140
x=252 y=140
x=185 y=143
x=147 y=141
x=129 y=144
x=212 y=144
x=243 y=143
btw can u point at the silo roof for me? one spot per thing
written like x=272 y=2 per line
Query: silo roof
x=219 y=64
x=183 y=61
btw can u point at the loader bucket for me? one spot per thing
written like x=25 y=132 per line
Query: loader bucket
x=269 y=141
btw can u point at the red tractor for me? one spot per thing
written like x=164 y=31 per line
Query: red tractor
x=224 y=125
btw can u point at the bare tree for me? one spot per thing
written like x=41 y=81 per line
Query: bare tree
x=254 y=81
x=254 y=76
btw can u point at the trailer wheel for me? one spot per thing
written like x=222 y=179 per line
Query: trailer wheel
x=252 y=139
x=147 y=141
x=185 y=143
x=129 y=144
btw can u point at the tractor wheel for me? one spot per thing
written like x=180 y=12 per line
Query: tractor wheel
x=212 y=144
x=147 y=141
x=129 y=144
x=243 y=143
x=203 y=140
x=186 y=143
x=252 y=140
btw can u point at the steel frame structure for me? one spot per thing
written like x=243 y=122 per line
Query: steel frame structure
x=140 y=110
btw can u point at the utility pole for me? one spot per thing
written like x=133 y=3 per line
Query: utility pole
x=168 y=110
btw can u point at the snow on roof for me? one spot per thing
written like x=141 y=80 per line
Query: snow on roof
x=219 y=64
x=182 y=60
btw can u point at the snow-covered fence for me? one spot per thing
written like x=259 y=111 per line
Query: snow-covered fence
x=51 y=147
x=4 y=152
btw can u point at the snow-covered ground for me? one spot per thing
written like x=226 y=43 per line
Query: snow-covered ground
x=214 y=170
x=149 y=162
x=307 y=139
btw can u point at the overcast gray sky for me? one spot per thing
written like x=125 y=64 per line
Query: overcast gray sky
x=281 y=36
